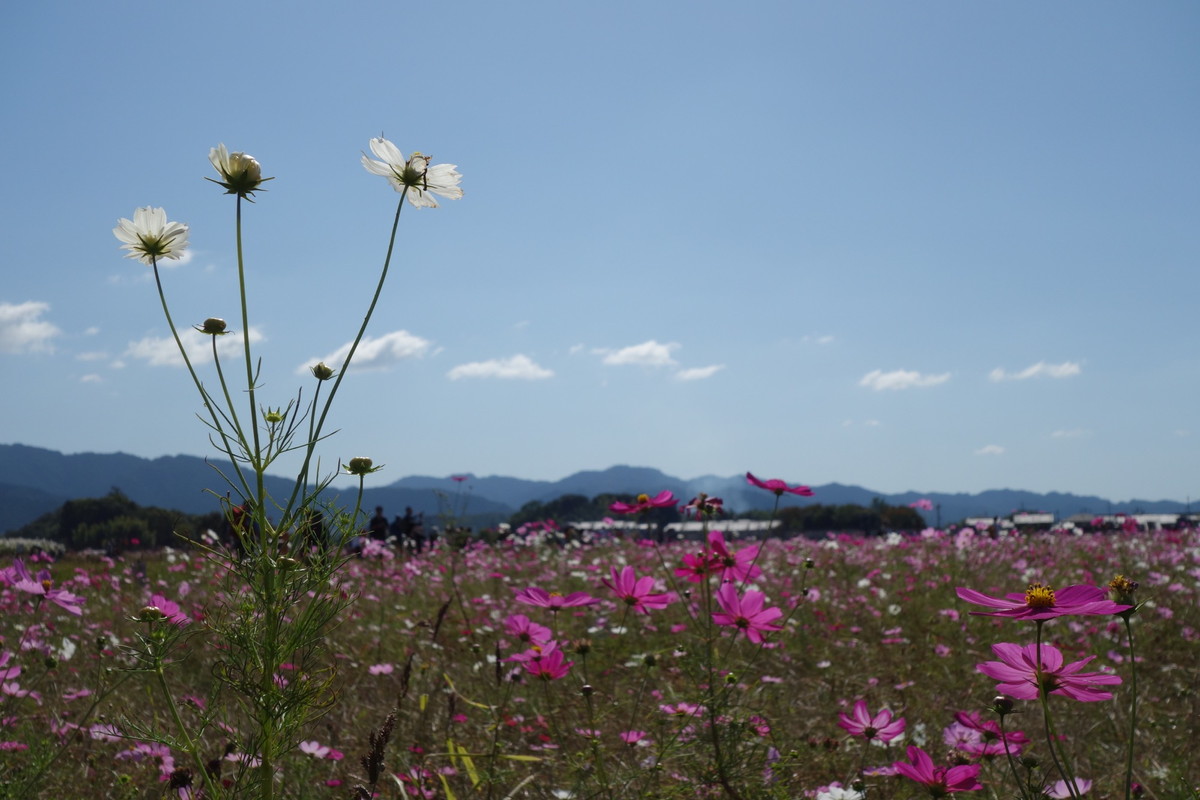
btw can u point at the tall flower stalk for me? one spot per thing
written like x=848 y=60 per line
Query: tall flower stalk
x=284 y=598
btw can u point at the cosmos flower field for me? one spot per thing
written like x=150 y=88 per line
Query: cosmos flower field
x=621 y=668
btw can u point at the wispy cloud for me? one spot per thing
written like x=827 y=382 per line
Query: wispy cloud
x=698 y=373
x=91 y=378
x=1067 y=369
x=165 y=353
x=23 y=331
x=815 y=338
x=92 y=355
x=374 y=353
x=646 y=354
x=879 y=380
x=518 y=367
x=1072 y=433
x=990 y=450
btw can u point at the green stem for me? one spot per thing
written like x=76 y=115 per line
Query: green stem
x=341 y=372
x=1056 y=754
x=193 y=751
x=1133 y=688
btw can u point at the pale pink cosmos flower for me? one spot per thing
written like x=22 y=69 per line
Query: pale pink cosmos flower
x=637 y=593
x=1017 y=672
x=778 y=487
x=42 y=586
x=1059 y=790
x=880 y=728
x=978 y=737
x=526 y=630
x=939 y=781
x=746 y=613
x=1044 y=602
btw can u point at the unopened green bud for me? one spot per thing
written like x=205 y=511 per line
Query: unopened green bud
x=361 y=466
x=151 y=614
x=213 y=326
x=321 y=372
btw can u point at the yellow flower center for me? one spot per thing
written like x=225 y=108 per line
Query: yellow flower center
x=643 y=498
x=1038 y=596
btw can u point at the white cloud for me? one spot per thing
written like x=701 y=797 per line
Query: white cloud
x=91 y=378
x=165 y=353
x=94 y=355
x=22 y=330
x=821 y=339
x=1067 y=369
x=92 y=331
x=1073 y=433
x=374 y=353
x=518 y=367
x=522 y=325
x=990 y=450
x=646 y=354
x=576 y=349
x=900 y=379
x=698 y=373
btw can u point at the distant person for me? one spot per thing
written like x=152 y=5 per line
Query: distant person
x=378 y=525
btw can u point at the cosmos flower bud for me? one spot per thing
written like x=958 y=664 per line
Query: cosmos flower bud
x=273 y=416
x=240 y=173
x=1002 y=705
x=361 y=466
x=321 y=372
x=213 y=326
x=1121 y=590
x=151 y=614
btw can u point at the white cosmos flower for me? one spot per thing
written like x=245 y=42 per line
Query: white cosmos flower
x=413 y=174
x=150 y=236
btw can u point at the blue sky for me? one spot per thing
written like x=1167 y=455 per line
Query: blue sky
x=926 y=246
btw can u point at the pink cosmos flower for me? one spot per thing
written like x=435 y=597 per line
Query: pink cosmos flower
x=1017 y=670
x=550 y=666
x=746 y=613
x=170 y=610
x=555 y=601
x=1059 y=790
x=696 y=567
x=880 y=727
x=41 y=586
x=938 y=780
x=732 y=566
x=663 y=499
x=778 y=487
x=978 y=737
x=1043 y=602
x=924 y=504
x=526 y=630
x=704 y=506
x=635 y=591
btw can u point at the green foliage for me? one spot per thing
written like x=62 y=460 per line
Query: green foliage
x=879 y=518
x=114 y=522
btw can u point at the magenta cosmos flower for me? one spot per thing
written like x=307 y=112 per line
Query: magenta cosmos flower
x=778 y=487
x=732 y=566
x=636 y=592
x=746 y=612
x=555 y=601
x=880 y=727
x=644 y=502
x=1017 y=670
x=550 y=666
x=1043 y=602
x=940 y=781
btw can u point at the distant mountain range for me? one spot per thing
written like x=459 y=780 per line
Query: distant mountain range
x=34 y=481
